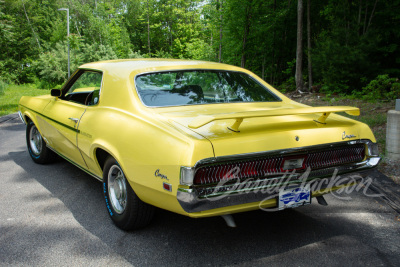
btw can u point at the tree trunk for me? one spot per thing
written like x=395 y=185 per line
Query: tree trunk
x=29 y=22
x=245 y=35
x=299 y=51
x=372 y=14
x=220 y=33
x=310 y=80
x=263 y=68
x=77 y=29
x=365 y=17
x=280 y=63
x=359 y=18
x=273 y=68
x=148 y=26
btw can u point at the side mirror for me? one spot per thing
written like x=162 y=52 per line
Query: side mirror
x=55 y=92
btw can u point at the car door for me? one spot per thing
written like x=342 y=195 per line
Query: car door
x=64 y=114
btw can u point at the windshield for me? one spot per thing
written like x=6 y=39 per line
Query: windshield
x=192 y=87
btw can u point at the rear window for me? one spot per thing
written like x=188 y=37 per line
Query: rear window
x=193 y=87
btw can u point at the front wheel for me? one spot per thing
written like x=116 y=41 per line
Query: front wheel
x=37 y=148
x=125 y=208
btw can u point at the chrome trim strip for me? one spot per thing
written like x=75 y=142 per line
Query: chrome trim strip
x=185 y=190
x=60 y=123
x=213 y=160
x=70 y=161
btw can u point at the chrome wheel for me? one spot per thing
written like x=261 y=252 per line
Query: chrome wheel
x=35 y=140
x=37 y=148
x=117 y=189
x=125 y=208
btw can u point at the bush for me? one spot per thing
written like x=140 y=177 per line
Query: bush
x=162 y=54
x=382 y=88
x=52 y=66
x=136 y=54
x=198 y=49
x=288 y=86
x=96 y=52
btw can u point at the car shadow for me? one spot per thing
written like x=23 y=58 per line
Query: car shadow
x=13 y=124
x=173 y=238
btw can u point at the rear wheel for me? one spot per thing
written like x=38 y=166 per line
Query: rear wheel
x=125 y=208
x=37 y=148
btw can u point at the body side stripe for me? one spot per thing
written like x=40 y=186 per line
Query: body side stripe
x=53 y=120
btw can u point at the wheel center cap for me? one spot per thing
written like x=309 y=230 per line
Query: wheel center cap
x=118 y=189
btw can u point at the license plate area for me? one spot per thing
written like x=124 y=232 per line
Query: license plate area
x=294 y=196
x=293 y=163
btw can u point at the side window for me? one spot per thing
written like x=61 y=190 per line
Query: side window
x=86 y=89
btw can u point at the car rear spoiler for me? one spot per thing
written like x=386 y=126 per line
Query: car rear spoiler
x=239 y=116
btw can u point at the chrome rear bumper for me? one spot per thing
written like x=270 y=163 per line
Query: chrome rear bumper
x=192 y=199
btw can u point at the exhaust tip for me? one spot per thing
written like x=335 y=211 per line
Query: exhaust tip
x=321 y=200
x=229 y=220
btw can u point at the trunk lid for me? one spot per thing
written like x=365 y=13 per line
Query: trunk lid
x=272 y=130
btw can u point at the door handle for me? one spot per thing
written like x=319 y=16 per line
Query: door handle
x=74 y=119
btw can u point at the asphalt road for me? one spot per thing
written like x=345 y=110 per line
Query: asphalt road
x=54 y=215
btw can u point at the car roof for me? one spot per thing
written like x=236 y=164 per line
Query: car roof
x=128 y=66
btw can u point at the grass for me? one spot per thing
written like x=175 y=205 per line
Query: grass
x=3 y=87
x=12 y=94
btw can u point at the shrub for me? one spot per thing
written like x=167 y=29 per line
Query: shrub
x=52 y=66
x=198 y=49
x=288 y=86
x=382 y=88
x=136 y=54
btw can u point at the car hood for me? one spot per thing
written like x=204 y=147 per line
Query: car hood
x=276 y=126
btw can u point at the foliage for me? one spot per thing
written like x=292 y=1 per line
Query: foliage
x=136 y=54
x=52 y=66
x=198 y=49
x=290 y=83
x=288 y=86
x=3 y=86
x=95 y=52
x=352 y=41
x=344 y=52
x=162 y=54
x=382 y=88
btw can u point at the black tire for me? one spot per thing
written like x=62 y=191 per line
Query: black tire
x=125 y=208
x=37 y=148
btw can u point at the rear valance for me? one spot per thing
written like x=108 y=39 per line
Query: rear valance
x=239 y=116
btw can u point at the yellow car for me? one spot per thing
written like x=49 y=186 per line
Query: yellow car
x=196 y=138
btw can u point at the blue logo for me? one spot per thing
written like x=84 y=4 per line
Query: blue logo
x=296 y=195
